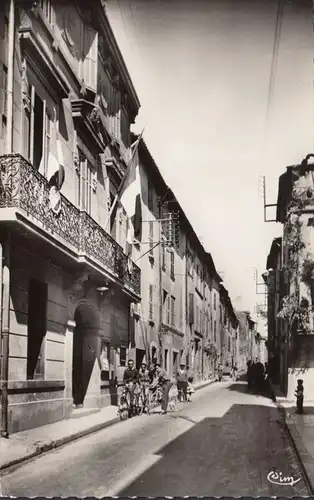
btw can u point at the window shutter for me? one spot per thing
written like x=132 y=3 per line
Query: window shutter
x=150 y=301
x=191 y=308
x=90 y=57
x=278 y=280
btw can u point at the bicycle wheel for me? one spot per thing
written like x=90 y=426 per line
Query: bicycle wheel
x=123 y=409
x=150 y=402
x=140 y=404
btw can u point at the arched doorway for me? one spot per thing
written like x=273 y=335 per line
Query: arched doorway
x=86 y=352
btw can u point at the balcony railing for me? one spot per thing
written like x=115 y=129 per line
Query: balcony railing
x=24 y=188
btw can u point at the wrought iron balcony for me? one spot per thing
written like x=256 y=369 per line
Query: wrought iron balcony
x=24 y=194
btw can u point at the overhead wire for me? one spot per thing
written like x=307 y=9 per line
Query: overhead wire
x=274 y=62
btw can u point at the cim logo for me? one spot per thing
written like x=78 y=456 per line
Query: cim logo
x=278 y=478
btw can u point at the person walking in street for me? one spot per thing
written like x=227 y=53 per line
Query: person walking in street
x=259 y=376
x=220 y=372
x=234 y=372
x=299 y=393
x=165 y=382
x=182 y=383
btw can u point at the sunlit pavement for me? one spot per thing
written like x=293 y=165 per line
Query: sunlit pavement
x=224 y=443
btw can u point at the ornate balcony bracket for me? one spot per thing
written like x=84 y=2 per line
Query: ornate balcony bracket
x=26 y=191
x=83 y=113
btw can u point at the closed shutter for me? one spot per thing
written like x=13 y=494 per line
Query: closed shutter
x=191 y=308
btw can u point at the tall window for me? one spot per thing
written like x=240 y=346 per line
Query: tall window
x=151 y=238
x=122 y=356
x=3 y=97
x=150 y=201
x=36 y=328
x=173 y=311
x=84 y=184
x=4 y=24
x=47 y=139
x=197 y=318
x=4 y=89
x=165 y=305
x=39 y=125
x=166 y=360
x=215 y=331
x=115 y=113
x=150 y=301
x=215 y=301
x=168 y=310
x=46 y=8
x=125 y=129
x=172 y=265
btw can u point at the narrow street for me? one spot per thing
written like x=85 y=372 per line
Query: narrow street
x=224 y=443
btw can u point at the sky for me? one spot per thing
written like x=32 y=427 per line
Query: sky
x=202 y=69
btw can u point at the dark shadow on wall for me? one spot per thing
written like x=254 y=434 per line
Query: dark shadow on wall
x=228 y=456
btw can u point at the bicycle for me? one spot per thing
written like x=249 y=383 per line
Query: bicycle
x=155 y=397
x=144 y=398
x=125 y=409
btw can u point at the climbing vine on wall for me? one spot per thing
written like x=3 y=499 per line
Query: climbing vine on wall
x=292 y=307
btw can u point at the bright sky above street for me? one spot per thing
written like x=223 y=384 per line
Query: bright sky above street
x=202 y=71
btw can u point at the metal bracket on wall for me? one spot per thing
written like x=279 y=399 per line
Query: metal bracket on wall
x=266 y=205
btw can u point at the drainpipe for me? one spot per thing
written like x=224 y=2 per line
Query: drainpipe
x=160 y=343
x=5 y=280
x=160 y=334
x=5 y=271
x=187 y=317
x=10 y=84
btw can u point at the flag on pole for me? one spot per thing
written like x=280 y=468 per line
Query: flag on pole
x=55 y=167
x=55 y=170
x=129 y=192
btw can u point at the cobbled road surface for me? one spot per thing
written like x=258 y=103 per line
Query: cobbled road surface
x=224 y=443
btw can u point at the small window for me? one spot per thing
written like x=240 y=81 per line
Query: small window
x=151 y=238
x=122 y=356
x=163 y=256
x=36 y=329
x=4 y=25
x=4 y=87
x=150 y=201
x=172 y=265
x=173 y=311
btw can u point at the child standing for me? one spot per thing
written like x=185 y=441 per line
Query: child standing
x=299 y=393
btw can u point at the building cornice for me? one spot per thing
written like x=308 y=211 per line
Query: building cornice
x=117 y=57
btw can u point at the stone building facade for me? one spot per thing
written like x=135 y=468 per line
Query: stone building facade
x=67 y=285
x=75 y=306
x=290 y=278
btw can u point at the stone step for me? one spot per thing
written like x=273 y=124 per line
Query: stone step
x=83 y=412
